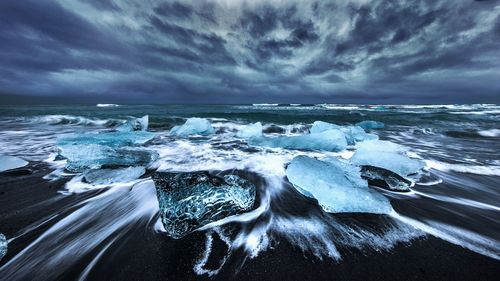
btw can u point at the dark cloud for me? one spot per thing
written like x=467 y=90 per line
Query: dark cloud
x=251 y=51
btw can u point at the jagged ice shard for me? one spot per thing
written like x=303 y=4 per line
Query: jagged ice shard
x=11 y=162
x=337 y=186
x=109 y=176
x=135 y=124
x=193 y=199
x=3 y=246
x=330 y=140
x=193 y=126
x=251 y=131
x=116 y=149
x=386 y=155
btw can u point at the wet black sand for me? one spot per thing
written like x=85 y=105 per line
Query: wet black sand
x=25 y=198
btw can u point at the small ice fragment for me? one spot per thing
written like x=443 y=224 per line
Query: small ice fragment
x=330 y=140
x=11 y=162
x=251 y=131
x=320 y=126
x=109 y=176
x=3 y=246
x=193 y=126
x=386 y=155
x=370 y=125
x=386 y=179
x=135 y=124
x=336 y=185
x=191 y=200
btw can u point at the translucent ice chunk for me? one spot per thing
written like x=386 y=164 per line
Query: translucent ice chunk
x=11 y=162
x=109 y=176
x=354 y=134
x=136 y=124
x=94 y=156
x=330 y=140
x=193 y=126
x=190 y=200
x=337 y=186
x=3 y=246
x=386 y=155
x=369 y=125
x=386 y=179
x=320 y=126
x=111 y=139
x=251 y=131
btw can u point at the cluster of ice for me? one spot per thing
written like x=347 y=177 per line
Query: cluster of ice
x=3 y=246
x=11 y=162
x=251 y=131
x=135 y=124
x=370 y=125
x=191 y=200
x=330 y=140
x=353 y=134
x=93 y=151
x=386 y=155
x=193 y=126
x=337 y=186
x=109 y=176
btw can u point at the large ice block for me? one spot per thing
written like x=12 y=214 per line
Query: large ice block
x=330 y=140
x=337 y=186
x=386 y=155
x=11 y=162
x=370 y=125
x=111 y=139
x=354 y=134
x=82 y=157
x=3 y=246
x=251 y=131
x=109 y=176
x=193 y=126
x=191 y=200
x=321 y=126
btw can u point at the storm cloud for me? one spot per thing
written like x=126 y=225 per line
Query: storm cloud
x=225 y=51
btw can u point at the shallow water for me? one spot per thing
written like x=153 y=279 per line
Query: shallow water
x=460 y=202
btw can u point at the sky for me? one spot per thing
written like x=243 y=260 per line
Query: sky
x=230 y=51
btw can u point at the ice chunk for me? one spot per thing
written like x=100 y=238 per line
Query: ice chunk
x=3 y=246
x=193 y=126
x=109 y=176
x=251 y=131
x=94 y=156
x=190 y=200
x=320 y=126
x=354 y=134
x=136 y=124
x=11 y=162
x=386 y=179
x=111 y=139
x=337 y=186
x=386 y=155
x=369 y=125
x=330 y=140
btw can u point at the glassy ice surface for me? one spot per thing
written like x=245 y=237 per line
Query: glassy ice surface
x=135 y=124
x=337 y=186
x=251 y=131
x=320 y=126
x=111 y=139
x=109 y=176
x=11 y=162
x=3 y=246
x=193 y=126
x=386 y=155
x=330 y=140
x=354 y=134
x=384 y=178
x=370 y=125
x=190 y=200
x=94 y=156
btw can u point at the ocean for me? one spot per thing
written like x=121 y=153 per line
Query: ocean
x=110 y=231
